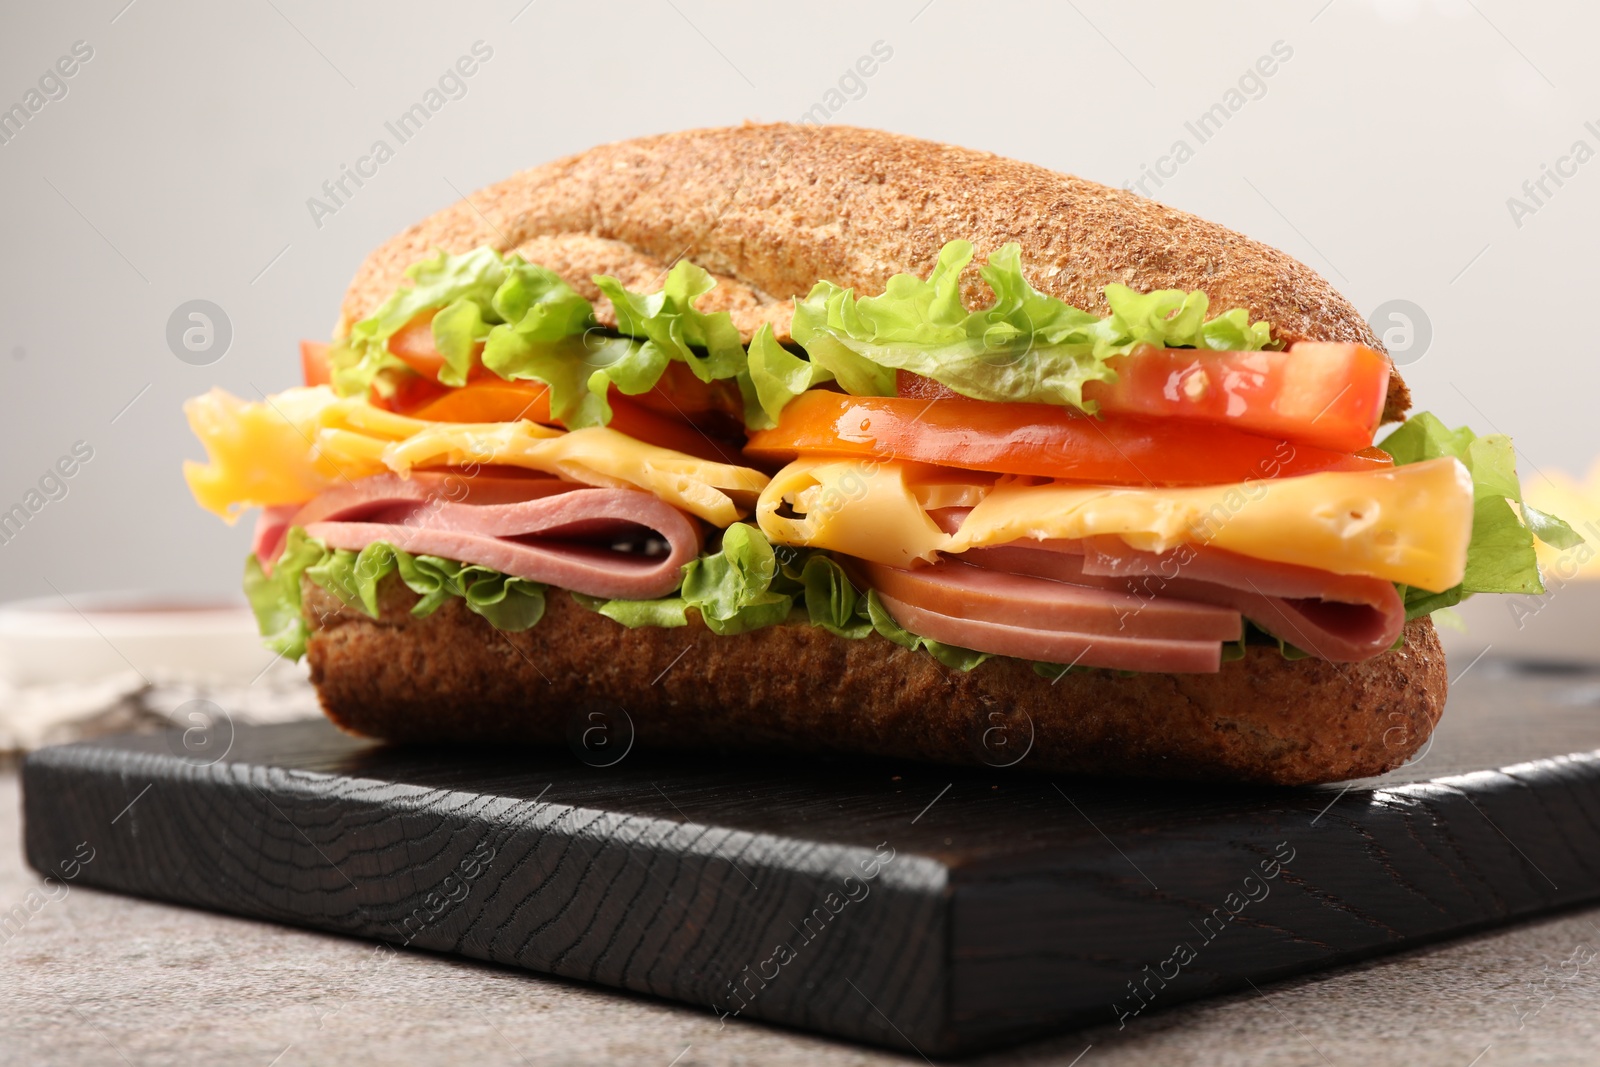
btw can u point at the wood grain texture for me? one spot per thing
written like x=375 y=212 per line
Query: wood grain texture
x=1014 y=903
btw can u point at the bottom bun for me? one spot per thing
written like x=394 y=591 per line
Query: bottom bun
x=452 y=677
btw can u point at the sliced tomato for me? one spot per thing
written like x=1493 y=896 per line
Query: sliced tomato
x=1044 y=440
x=413 y=345
x=408 y=393
x=493 y=400
x=314 y=365
x=678 y=395
x=682 y=395
x=1328 y=395
x=496 y=400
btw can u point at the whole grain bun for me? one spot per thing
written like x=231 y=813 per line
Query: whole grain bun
x=772 y=209
x=452 y=677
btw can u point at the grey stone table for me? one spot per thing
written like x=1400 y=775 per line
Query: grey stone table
x=93 y=978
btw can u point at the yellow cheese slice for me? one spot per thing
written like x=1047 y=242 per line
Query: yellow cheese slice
x=597 y=455
x=865 y=508
x=1410 y=524
x=263 y=453
x=292 y=446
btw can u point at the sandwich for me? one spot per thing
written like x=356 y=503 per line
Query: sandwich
x=821 y=439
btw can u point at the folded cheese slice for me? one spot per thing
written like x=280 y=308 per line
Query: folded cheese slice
x=1410 y=524
x=290 y=447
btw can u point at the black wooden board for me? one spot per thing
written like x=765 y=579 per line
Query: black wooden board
x=1013 y=903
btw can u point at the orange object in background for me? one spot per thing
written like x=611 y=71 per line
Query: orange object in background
x=314 y=366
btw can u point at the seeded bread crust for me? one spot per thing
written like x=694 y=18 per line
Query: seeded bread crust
x=452 y=677
x=771 y=209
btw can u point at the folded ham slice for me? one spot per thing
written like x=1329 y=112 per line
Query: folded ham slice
x=482 y=485
x=1040 y=619
x=1345 y=618
x=542 y=529
x=1338 y=617
x=953 y=587
x=271 y=528
x=1342 y=618
x=1063 y=647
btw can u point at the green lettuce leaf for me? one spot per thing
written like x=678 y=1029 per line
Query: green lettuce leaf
x=668 y=328
x=956 y=658
x=508 y=603
x=1549 y=529
x=657 y=329
x=668 y=612
x=734 y=590
x=776 y=376
x=1500 y=556
x=1025 y=347
x=832 y=600
x=475 y=294
x=458 y=329
x=668 y=323
x=276 y=600
x=738 y=588
x=746 y=586
x=577 y=370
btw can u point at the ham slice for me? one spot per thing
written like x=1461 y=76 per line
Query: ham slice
x=1057 y=646
x=1342 y=618
x=482 y=485
x=1338 y=617
x=271 y=528
x=981 y=594
x=1042 y=619
x=544 y=530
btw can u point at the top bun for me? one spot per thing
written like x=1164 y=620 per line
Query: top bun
x=771 y=209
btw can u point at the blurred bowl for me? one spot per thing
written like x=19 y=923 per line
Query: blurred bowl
x=96 y=635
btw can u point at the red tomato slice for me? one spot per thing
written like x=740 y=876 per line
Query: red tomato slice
x=1328 y=395
x=411 y=391
x=496 y=400
x=314 y=363
x=1044 y=440
x=412 y=344
x=681 y=395
x=490 y=401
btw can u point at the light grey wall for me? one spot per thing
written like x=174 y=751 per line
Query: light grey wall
x=179 y=162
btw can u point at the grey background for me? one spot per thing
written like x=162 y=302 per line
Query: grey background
x=178 y=166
